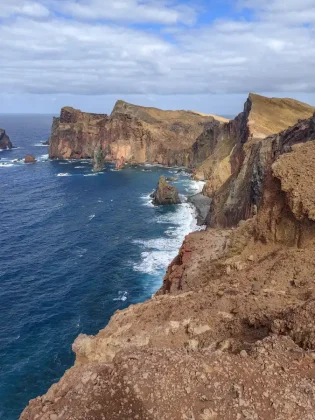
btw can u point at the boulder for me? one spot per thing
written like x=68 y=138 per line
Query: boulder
x=165 y=194
x=5 y=142
x=171 y=179
x=29 y=159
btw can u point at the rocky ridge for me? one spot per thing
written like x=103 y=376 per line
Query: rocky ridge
x=133 y=133
x=231 y=333
x=5 y=142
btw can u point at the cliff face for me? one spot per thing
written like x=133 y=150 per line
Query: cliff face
x=231 y=334
x=243 y=193
x=5 y=142
x=136 y=134
x=219 y=152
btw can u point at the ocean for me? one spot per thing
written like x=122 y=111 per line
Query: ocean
x=75 y=247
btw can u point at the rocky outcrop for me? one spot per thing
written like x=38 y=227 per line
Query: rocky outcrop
x=120 y=163
x=231 y=333
x=219 y=152
x=165 y=194
x=5 y=142
x=136 y=134
x=29 y=159
x=98 y=161
x=243 y=194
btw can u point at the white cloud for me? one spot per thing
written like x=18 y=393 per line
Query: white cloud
x=32 y=9
x=43 y=53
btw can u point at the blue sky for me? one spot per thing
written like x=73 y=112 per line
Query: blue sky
x=188 y=54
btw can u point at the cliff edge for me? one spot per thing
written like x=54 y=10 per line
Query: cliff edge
x=231 y=333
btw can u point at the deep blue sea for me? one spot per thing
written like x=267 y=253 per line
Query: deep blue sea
x=74 y=247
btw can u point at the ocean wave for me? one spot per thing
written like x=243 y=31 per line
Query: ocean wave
x=6 y=165
x=79 y=167
x=40 y=145
x=91 y=217
x=122 y=296
x=94 y=174
x=147 y=200
x=64 y=174
x=159 y=252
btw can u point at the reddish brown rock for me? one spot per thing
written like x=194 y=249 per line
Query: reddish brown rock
x=29 y=159
x=137 y=134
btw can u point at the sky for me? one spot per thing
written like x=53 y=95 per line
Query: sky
x=205 y=55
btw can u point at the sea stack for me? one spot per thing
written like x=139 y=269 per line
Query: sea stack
x=5 y=142
x=29 y=159
x=98 y=161
x=120 y=163
x=165 y=194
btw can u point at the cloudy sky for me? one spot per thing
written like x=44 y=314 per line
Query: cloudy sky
x=187 y=54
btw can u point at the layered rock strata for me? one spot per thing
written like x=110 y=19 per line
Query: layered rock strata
x=133 y=133
x=5 y=142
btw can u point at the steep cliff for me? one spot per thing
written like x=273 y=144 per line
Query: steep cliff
x=136 y=134
x=243 y=193
x=231 y=334
x=218 y=153
x=5 y=142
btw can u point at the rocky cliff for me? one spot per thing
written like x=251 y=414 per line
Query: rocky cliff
x=136 y=134
x=231 y=334
x=5 y=142
x=219 y=152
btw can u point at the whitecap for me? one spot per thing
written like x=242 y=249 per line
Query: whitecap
x=64 y=174
x=91 y=216
x=96 y=174
x=147 y=200
x=122 y=296
x=79 y=167
x=157 y=253
x=6 y=165
x=40 y=145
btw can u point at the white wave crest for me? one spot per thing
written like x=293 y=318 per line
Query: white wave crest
x=64 y=174
x=159 y=252
x=122 y=296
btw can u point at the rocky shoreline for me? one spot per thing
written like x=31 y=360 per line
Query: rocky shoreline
x=231 y=333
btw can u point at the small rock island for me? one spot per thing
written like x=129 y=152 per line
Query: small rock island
x=5 y=142
x=165 y=194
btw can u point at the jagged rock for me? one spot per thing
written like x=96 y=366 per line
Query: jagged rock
x=98 y=161
x=165 y=194
x=29 y=159
x=120 y=163
x=138 y=134
x=5 y=142
x=171 y=179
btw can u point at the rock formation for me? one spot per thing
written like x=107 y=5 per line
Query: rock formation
x=231 y=333
x=136 y=134
x=98 y=160
x=165 y=194
x=29 y=159
x=120 y=163
x=5 y=142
